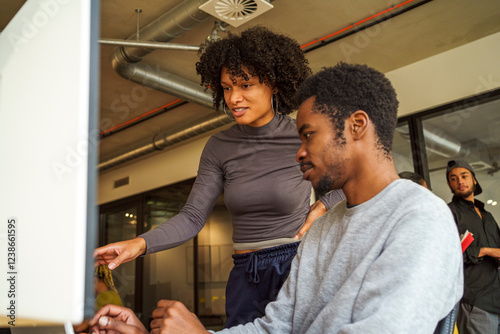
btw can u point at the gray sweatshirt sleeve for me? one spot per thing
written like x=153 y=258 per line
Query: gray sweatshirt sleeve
x=191 y=219
x=414 y=282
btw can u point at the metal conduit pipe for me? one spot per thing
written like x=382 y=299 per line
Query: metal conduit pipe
x=122 y=158
x=155 y=78
x=208 y=124
x=125 y=61
x=438 y=141
x=166 y=139
x=170 y=25
x=154 y=45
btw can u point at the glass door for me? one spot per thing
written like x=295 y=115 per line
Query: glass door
x=120 y=223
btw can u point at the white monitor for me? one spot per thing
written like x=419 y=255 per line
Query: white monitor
x=48 y=158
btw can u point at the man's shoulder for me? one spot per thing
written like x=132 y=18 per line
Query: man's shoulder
x=418 y=204
x=424 y=215
x=408 y=194
x=458 y=206
x=452 y=205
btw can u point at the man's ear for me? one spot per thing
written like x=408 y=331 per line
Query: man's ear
x=359 y=123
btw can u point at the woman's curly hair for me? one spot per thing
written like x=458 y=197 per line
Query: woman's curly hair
x=276 y=59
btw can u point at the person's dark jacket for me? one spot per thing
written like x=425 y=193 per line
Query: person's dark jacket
x=482 y=279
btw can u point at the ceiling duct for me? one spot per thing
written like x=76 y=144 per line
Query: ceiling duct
x=153 y=45
x=436 y=141
x=236 y=12
x=126 y=61
x=155 y=78
x=170 y=25
x=439 y=142
x=166 y=139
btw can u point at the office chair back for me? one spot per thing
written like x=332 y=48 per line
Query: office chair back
x=447 y=324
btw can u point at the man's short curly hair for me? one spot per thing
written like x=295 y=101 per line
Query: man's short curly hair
x=276 y=59
x=345 y=88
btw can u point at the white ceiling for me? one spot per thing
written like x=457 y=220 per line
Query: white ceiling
x=429 y=29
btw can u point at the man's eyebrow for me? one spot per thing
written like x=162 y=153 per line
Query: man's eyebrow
x=463 y=173
x=303 y=128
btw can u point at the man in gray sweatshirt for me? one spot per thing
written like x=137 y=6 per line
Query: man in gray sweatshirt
x=385 y=260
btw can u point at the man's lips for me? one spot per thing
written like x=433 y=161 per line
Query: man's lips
x=305 y=168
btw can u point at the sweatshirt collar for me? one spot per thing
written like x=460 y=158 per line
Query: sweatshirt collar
x=353 y=209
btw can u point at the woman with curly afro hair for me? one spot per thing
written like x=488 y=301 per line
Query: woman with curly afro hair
x=254 y=77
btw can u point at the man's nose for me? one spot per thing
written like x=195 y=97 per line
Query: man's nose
x=301 y=154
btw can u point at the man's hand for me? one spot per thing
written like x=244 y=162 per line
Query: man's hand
x=172 y=317
x=119 y=252
x=317 y=210
x=112 y=319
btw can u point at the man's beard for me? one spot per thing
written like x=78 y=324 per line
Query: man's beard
x=467 y=194
x=324 y=185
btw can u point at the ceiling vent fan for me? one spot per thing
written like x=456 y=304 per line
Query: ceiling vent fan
x=236 y=12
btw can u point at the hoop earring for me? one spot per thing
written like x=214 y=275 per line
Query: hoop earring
x=272 y=104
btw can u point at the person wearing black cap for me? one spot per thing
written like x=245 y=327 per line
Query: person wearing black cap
x=480 y=306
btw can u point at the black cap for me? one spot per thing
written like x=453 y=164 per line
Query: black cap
x=452 y=164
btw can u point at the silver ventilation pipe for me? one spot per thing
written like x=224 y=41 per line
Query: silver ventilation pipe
x=210 y=123
x=170 y=25
x=154 y=45
x=125 y=61
x=155 y=78
x=438 y=141
x=165 y=139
